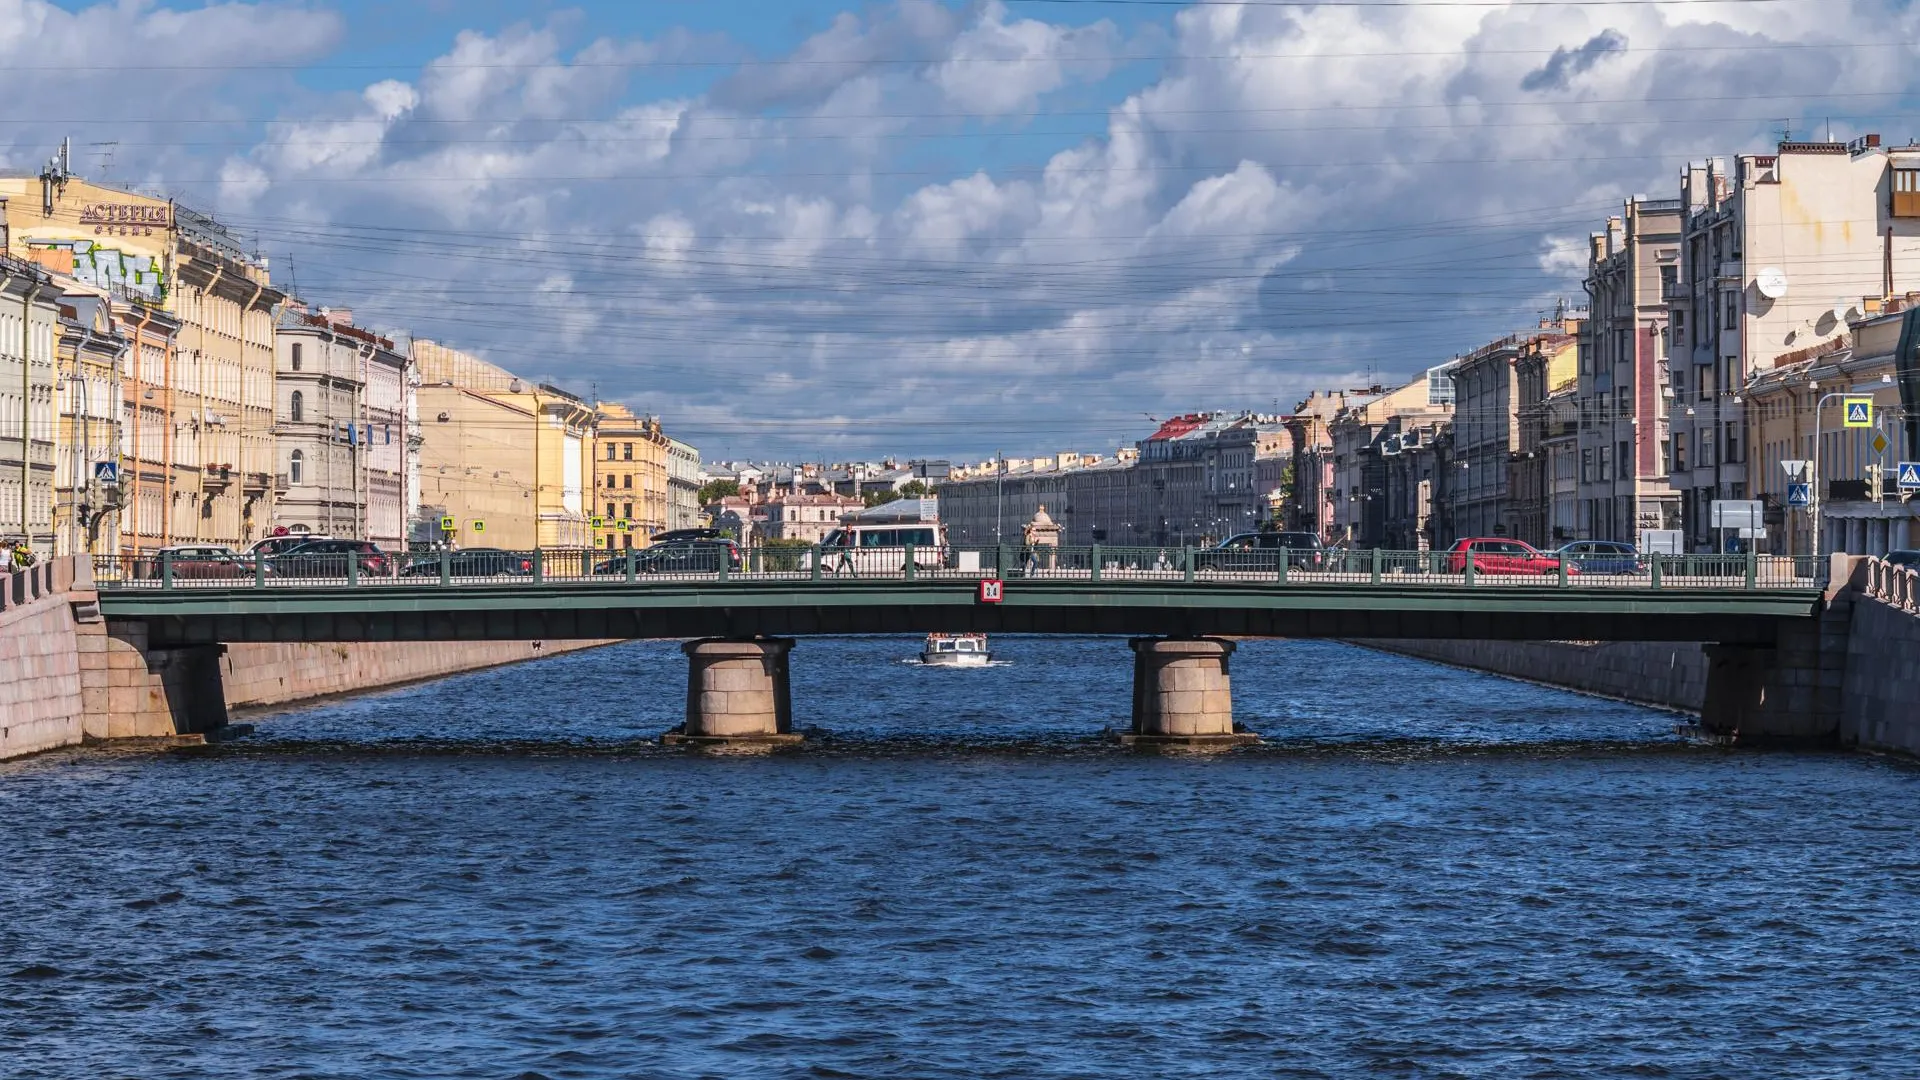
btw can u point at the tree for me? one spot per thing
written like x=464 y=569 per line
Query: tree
x=876 y=498
x=915 y=489
x=714 y=490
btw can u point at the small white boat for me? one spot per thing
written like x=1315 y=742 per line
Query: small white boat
x=956 y=650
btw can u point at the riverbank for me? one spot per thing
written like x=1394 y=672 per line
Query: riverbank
x=1659 y=674
x=67 y=677
x=259 y=676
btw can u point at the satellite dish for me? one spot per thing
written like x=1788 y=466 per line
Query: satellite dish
x=1772 y=282
x=1842 y=309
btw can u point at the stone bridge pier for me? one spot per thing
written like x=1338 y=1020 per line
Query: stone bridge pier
x=738 y=695
x=1183 y=695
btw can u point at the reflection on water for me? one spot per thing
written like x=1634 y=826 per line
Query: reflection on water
x=1423 y=873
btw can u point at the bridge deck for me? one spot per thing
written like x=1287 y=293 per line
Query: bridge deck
x=1717 y=607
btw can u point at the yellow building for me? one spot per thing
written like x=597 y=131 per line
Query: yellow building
x=508 y=461
x=629 y=477
x=197 y=386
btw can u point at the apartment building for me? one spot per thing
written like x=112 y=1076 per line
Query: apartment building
x=1633 y=274
x=1363 y=436
x=683 y=485
x=630 y=489
x=1542 y=464
x=29 y=328
x=340 y=418
x=87 y=453
x=1777 y=254
x=198 y=394
x=507 y=461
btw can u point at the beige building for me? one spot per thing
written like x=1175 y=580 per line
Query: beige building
x=29 y=328
x=1540 y=472
x=198 y=388
x=92 y=348
x=1776 y=256
x=1784 y=416
x=1633 y=272
x=508 y=461
x=807 y=517
x=629 y=477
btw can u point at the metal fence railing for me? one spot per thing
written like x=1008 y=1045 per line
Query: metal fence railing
x=718 y=562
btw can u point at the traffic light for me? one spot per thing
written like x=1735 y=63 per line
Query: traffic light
x=1875 y=474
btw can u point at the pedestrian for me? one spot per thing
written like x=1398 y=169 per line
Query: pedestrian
x=846 y=561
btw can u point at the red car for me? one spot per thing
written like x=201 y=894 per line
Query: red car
x=1493 y=555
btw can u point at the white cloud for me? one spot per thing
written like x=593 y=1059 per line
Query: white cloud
x=860 y=228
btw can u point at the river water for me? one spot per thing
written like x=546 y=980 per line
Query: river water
x=1425 y=873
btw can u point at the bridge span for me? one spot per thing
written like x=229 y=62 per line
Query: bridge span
x=741 y=622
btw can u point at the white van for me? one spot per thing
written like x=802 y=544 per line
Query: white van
x=882 y=549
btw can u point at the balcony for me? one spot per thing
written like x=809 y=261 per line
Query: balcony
x=256 y=482
x=216 y=477
x=1673 y=290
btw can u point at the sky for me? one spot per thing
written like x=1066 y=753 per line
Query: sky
x=810 y=230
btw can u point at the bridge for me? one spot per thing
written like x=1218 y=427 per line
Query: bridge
x=1181 y=612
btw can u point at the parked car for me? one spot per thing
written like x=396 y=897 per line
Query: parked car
x=1262 y=551
x=199 y=562
x=1601 y=557
x=328 y=558
x=280 y=545
x=471 y=562
x=1902 y=557
x=674 y=536
x=1494 y=555
x=700 y=556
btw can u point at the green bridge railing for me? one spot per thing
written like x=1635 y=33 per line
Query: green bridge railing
x=721 y=563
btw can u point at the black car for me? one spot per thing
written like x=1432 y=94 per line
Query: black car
x=1262 y=551
x=328 y=558
x=1902 y=557
x=696 y=556
x=674 y=536
x=471 y=562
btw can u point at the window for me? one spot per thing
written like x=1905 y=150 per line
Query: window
x=626 y=451
x=609 y=451
x=1731 y=305
x=296 y=356
x=1906 y=193
x=295 y=466
x=297 y=407
x=1680 y=452
x=626 y=510
x=626 y=481
x=609 y=509
x=1732 y=456
x=1624 y=456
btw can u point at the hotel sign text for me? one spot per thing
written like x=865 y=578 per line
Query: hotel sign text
x=126 y=219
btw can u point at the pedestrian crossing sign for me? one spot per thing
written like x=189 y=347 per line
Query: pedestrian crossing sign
x=599 y=522
x=1859 y=411
x=446 y=524
x=479 y=526
x=621 y=525
x=1909 y=475
x=1799 y=494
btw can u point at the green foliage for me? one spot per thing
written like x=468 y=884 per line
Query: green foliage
x=715 y=490
x=879 y=498
x=783 y=554
x=915 y=489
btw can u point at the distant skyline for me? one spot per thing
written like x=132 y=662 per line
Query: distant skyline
x=937 y=229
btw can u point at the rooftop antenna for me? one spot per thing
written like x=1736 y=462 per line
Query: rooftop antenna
x=53 y=178
x=1786 y=133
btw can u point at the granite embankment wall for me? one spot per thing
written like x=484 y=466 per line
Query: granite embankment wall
x=68 y=676
x=261 y=675
x=1665 y=675
x=1881 y=696
x=40 y=703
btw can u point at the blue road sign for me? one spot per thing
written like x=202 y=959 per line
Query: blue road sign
x=1859 y=412
x=1799 y=494
x=107 y=472
x=1909 y=475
